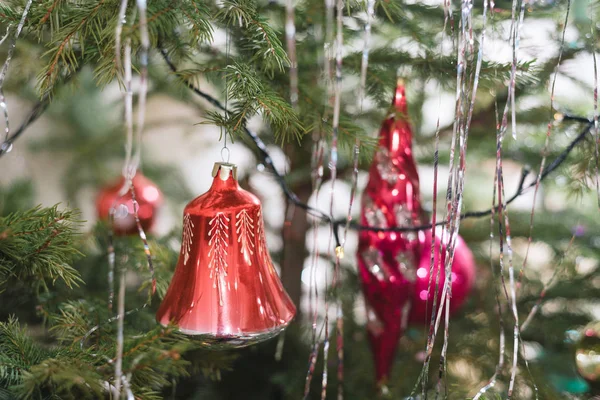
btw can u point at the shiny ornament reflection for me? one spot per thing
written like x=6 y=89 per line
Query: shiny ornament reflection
x=225 y=291
x=387 y=260
x=147 y=195
x=462 y=280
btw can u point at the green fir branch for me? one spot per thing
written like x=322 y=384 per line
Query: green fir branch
x=38 y=246
x=17 y=352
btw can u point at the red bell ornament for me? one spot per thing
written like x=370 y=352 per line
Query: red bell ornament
x=147 y=195
x=387 y=260
x=225 y=291
x=462 y=280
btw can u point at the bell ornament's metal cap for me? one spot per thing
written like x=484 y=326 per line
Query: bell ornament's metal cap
x=224 y=170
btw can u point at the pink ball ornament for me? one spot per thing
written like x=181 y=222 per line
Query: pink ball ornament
x=463 y=277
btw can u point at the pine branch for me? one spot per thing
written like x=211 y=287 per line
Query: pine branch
x=17 y=352
x=37 y=246
x=82 y=33
x=252 y=98
x=64 y=376
x=255 y=35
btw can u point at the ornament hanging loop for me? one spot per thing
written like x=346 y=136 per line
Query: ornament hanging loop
x=225 y=151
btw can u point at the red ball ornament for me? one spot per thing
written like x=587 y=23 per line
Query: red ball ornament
x=463 y=277
x=387 y=260
x=225 y=291
x=147 y=195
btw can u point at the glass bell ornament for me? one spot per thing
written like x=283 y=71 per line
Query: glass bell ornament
x=225 y=291
x=388 y=261
x=147 y=195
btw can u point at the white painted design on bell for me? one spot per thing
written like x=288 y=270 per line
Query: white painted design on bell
x=244 y=228
x=218 y=242
x=260 y=232
x=188 y=234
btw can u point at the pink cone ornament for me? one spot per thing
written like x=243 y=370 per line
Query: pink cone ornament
x=387 y=260
x=225 y=291
x=463 y=277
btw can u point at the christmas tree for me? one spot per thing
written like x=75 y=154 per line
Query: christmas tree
x=497 y=106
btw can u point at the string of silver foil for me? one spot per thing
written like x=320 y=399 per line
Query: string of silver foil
x=127 y=387
x=337 y=89
x=143 y=88
x=463 y=147
x=502 y=339
x=126 y=72
x=456 y=180
x=6 y=35
x=317 y=179
x=454 y=198
x=537 y=185
x=364 y=66
x=317 y=168
x=328 y=51
x=327 y=73
x=141 y=110
x=509 y=252
x=133 y=153
x=126 y=186
x=132 y=159
x=515 y=35
x=596 y=115
x=502 y=336
x=546 y=143
x=121 y=20
x=128 y=108
x=424 y=375
x=435 y=188
x=453 y=194
x=120 y=328
x=353 y=186
x=128 y=94
x=6 y=144
x=499 y=180
x=516 y=38
x=290 y=35
x=466 y=47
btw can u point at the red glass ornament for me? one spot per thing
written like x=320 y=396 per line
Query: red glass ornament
x=463 y=277
x=225 y=291
x=387 y=260
x=147 y=195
